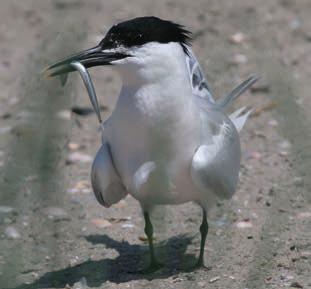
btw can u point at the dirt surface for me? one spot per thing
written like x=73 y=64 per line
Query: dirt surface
x=53 y=233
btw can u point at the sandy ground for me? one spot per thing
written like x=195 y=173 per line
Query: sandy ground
x=53 y=234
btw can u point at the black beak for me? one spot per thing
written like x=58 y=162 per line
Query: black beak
x=88 y=58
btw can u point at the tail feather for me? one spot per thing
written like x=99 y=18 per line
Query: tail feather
x=239 y=117
x=226 y=100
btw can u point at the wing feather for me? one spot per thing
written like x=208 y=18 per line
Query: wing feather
x=107 y=185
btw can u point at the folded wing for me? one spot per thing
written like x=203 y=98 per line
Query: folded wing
x=216 y=163
x=106 y=182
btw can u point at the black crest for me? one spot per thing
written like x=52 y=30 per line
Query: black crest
x=141 y=30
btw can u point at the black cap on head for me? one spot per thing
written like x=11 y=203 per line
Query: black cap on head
x=135 y=32
x=141 y=30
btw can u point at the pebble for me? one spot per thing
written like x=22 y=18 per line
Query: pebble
x=12 y=233
x=296 y=285
x=126 y=226
x=239 y=59
x=284 y=145
x=74 y=261
x=244 y=225
x=295 y=24
x=73 y=146
x=78 y=157
x=214 y=279
x=273 y=123
x=261 y=86
x=304 y=215
x=56 y=213
x=64 y=115
x=119 y=220
x=298 y=181
x=177 y=279
x=6 y=210
x=80 y=187
x=286 y=277
x=101 y=223
x=5 y=129
x=237 y=38
x=254 y=155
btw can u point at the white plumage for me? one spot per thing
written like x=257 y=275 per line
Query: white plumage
x=168 y=141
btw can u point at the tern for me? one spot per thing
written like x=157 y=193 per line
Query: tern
x=167 y=141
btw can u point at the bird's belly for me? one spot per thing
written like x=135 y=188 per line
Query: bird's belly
x=155 y=165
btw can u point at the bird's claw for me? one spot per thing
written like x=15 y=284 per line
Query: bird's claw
x=201 y=266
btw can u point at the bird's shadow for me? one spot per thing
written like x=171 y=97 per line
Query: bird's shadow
x=125 y=267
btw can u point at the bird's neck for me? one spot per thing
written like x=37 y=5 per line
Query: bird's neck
x=157 y=87
x=159 y=92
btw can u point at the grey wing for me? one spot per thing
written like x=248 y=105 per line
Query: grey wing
x=106 y=183
x=198 y=81
x=216 y=163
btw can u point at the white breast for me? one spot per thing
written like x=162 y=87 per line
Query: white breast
x=156 y=122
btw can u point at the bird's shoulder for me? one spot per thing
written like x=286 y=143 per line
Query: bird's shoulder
x=199 y=84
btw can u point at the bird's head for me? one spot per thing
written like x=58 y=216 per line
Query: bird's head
x=139 y=42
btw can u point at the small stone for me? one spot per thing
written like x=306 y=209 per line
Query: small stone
x=177 y=279
x=126 y=226
x=56 y=213
x=5 y=129
x=295 y=24
x=143 y=238
x=283 y=153
x=284 y=145
x=286 y=277
x=254 y=155
x=298 y=181
x=80 y=187
x=273 y=123
x=12 y=233
x=6 y=210
x=119 y=220
x=260 y=87
x=305 y=254
x=239 y=59
x=214 y=279
x=237 y=38
x=73 y=146
x=244 y=225
x=73 y=261
x=78 y=157
x=304 y=215
x=64 y=114
x=295 y=284
x=202 y=284
x=101 y=223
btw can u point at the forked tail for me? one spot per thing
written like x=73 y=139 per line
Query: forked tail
x=225 y=101
x=239 y=116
